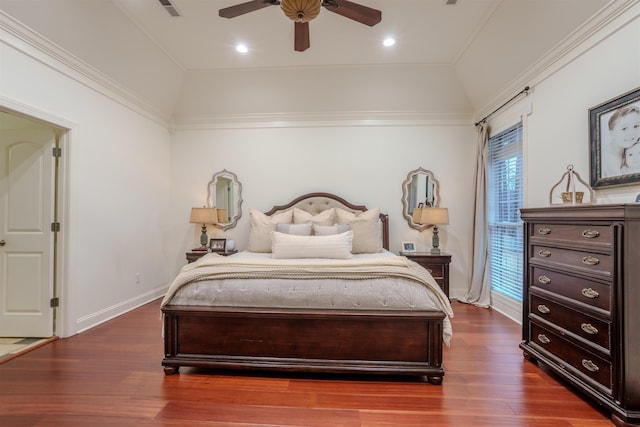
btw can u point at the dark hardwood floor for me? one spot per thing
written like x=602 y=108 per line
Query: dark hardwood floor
x=111 y=376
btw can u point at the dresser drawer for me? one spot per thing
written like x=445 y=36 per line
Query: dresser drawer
x=587 y=291
x=588 y=327
x=597 y=234
x=576 y=259
x=578 y=360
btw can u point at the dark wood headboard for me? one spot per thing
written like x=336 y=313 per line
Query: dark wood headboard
x=315 y=203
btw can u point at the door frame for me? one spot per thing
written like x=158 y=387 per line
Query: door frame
x=61 y=289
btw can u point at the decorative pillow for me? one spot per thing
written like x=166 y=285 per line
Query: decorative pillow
x=367 y=236
x=297 y=229
x=327 y=217
x=336 y=246
x=262 y=226
x=327 y=230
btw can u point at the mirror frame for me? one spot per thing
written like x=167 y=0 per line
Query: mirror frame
x=405 y=196
x=238 y=203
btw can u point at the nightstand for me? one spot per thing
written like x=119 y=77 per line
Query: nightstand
x=438 y=266
x=196 y=255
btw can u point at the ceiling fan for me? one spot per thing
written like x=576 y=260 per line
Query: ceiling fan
x=303 y=11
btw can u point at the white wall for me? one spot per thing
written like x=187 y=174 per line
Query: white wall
x=363 y=164
x=339 y=92
x=555 y=114
x=558 y=128
x=116 y=187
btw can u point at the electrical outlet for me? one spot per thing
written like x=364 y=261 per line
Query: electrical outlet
x=137 y=278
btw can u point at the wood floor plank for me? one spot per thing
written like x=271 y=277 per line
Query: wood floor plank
x=111 y=376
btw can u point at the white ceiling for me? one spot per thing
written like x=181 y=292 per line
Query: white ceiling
x=427 y=31
x=487 y=44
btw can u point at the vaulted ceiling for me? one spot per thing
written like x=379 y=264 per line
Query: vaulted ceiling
x=487 y=44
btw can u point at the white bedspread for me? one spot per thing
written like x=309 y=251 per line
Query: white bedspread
x=366 y=282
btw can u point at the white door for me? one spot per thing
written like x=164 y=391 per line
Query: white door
x=26 y=239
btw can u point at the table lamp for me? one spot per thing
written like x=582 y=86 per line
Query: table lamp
x=435 y=217
x=203 y=216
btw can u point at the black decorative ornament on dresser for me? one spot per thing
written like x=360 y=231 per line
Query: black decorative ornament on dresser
x=581 y=299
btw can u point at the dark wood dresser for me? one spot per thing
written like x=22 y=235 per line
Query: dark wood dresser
x=581 y=301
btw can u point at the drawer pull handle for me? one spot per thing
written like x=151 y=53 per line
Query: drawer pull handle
x=590 y=234
x=590 y=366
x=590 y=260
x=590 y=293
x=543 y=309
x=544 y=339
x=589 y=328
x=544 y=253
x=544 y=280
x=544 y=230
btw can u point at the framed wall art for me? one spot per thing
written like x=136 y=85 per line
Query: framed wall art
x=614 y=141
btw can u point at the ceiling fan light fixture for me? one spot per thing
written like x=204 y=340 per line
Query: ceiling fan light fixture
x=301 y=10
x=389 y=41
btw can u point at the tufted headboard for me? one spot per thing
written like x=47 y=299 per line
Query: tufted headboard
x=314 y=203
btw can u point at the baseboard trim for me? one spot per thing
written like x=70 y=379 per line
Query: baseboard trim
x=94 y=319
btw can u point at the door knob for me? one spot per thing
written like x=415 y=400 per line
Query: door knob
x=2 y=242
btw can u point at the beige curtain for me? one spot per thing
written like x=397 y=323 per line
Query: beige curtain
x=480 y=290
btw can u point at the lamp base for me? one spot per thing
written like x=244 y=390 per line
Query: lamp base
x=435 y=242
x=204 y=238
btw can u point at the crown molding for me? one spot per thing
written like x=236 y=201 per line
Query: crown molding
x=321 y=119
x=20 y=37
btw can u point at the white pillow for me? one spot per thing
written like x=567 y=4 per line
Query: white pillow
x=327 y=217
x=327 y=230
x=297 y=229
x=262 y=226
x=335 y=246
x=366 y=229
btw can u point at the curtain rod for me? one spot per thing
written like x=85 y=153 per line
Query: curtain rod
x=525 y=91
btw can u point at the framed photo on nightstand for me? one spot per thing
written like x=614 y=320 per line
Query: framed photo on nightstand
x=218 y=245
x=408 y=247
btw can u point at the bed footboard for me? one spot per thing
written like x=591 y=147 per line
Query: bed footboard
x=332 y=341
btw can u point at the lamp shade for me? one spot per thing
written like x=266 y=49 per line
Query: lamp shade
x=433 y=216
x=203 y=216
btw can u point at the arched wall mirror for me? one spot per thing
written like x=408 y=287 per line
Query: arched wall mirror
x=224 y=192
x=420 y=187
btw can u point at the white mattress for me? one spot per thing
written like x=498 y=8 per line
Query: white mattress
x=370 y=294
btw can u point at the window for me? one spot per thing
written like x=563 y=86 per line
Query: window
x=505 y=200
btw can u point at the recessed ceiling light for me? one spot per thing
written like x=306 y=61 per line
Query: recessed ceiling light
x=242 y=48
x=389 y=41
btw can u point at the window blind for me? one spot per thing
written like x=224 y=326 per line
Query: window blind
x=505 y=181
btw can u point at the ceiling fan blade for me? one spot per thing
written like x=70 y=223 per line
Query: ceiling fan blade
x=302 y=41
x=357 y=12
x=242 y=8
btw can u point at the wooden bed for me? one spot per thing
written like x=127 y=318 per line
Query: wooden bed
x=390 y=342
